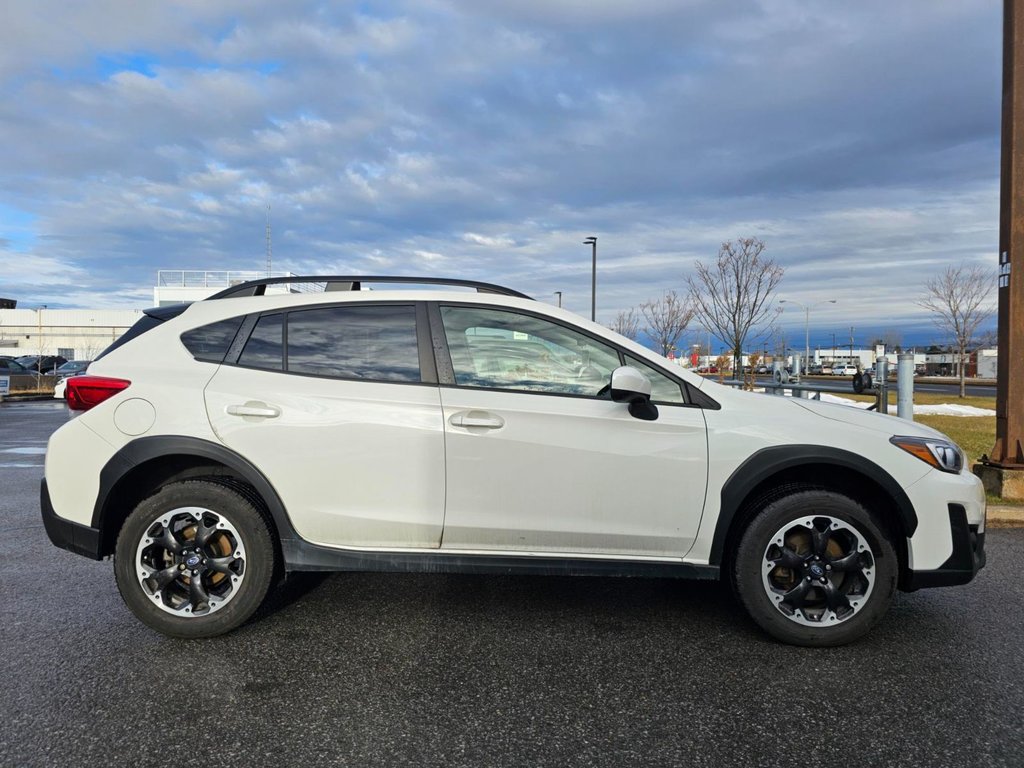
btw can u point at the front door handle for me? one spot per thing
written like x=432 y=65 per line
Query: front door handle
x=478 y=419
x=260 y=410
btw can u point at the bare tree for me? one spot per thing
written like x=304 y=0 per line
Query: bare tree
x=734 y=295
x=627 y=323
x=665 y=320
x=957 y=298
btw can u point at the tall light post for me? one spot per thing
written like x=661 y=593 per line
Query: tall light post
x=592 y=242
x=807 y=323
x=559 y=295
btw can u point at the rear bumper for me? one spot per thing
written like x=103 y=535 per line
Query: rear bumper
x=80 y=539
x=967 y=559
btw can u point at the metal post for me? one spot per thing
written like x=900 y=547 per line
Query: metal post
x=905 y=386
x=797 y=369
x=592 y=242
x=882 y=370
x=777 y=368
x=559 y=295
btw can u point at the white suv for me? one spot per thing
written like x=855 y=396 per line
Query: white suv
x=271 y=429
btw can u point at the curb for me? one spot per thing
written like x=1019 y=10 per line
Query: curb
x=1004 y=516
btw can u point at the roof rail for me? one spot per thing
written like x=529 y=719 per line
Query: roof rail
x=354 y=283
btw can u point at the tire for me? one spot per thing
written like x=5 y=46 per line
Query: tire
x=814 y=568
x=195 y=559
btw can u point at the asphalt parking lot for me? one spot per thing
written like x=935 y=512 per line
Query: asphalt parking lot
x=367 y=670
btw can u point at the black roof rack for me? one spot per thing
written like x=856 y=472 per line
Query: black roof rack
x=354 y=283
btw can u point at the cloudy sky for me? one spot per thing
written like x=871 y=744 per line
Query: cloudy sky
x=487 y=138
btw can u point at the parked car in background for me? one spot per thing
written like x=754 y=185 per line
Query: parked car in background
x=71 y=368
x=844 y=370
x=9 y=367
x=47 y=364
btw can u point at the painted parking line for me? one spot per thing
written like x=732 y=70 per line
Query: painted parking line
x=20 y=466
x=27 y=451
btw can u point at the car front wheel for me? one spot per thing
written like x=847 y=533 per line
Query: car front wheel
x=813 y=568
x=195 y=559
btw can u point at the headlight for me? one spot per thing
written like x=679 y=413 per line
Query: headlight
x=941 y=454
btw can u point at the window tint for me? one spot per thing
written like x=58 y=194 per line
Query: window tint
x=265 y=346
x=210 y=342
x=663 y=389
x=372 y=343
x=505 y=350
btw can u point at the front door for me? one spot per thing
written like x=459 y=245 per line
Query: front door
x=539 y=459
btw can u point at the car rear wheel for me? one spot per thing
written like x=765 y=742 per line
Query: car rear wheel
x=196 y=559
x=814 y=568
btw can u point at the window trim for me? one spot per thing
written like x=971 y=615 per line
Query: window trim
x=446 y=369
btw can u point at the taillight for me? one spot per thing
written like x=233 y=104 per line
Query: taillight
x=84 y=392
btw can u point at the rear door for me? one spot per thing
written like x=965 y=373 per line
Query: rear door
x=338 y=406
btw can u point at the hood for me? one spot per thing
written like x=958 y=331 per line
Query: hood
x=878 y=422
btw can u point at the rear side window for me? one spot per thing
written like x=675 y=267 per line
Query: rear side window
x=376 y=343
x=367 y=343
x=210 y=343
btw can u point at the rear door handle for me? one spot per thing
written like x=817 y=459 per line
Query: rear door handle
x=478 y=419
x=260 y=410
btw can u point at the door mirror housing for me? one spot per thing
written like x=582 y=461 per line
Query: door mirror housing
x=629 y=385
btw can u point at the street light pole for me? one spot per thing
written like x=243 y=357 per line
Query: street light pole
x=559 y=295
x=592 y=242
x=807 y=323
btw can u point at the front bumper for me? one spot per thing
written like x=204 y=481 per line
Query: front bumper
x=967 y=559
x=80 y=539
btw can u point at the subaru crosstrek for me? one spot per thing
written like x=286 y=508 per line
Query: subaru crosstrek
x=273 y=428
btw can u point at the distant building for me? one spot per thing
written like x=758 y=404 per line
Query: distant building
x=8 y=303
x=181 y=286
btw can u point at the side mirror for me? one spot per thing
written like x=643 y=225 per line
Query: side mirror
x=630 y=386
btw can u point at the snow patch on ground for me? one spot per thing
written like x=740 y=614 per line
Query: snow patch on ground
x=944 y=409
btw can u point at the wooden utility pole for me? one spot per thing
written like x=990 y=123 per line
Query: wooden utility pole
x=1009 y=448
x=1003 y=472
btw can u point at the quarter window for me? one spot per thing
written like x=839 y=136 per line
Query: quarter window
x=663 y=389
x=498 y=349
x=208 y=343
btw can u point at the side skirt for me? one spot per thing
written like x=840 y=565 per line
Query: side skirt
x=303 y=556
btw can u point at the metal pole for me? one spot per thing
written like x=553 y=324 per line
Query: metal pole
x=807 y=333
x=882 y=369
x=592 y=242
x=905 y=386
x=593 y=282
x=559 y=295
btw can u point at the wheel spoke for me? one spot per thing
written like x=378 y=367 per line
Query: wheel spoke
x=834 y=599
x=168 y=541
x=164 y=577
x=787 y=558
x=820 y=541
x=197 y=594
x=222 y=564
x=797 y=594
x=850 y=562
x=204 y=532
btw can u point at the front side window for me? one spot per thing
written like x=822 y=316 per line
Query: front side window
x=499 y=349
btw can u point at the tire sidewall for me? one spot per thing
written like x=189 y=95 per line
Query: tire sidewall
x=252 y=528
x=749 y=562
